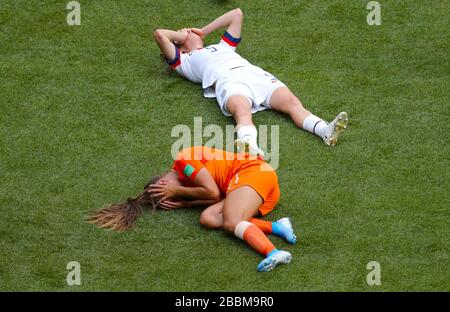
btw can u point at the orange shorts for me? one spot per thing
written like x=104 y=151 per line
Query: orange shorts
x=264 y=182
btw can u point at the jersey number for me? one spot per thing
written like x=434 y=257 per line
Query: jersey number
x=212 y=49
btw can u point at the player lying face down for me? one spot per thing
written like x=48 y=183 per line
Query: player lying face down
x=241 y=88
x=234 y=188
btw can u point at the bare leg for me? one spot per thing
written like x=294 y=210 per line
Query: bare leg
x=240 y=107
x=240 y=205
x=212 y=217
x=284 y=101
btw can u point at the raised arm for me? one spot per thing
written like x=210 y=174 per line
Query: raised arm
x=166 y=39
x=231 y=20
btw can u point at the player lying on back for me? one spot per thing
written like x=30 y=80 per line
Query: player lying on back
x=241 y=89
x=234 y=187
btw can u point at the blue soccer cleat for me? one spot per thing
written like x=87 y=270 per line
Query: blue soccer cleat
x=274 y=258
x=283 y=228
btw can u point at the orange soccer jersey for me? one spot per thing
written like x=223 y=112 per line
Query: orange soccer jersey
x=230 y=171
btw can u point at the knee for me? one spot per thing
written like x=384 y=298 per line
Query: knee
x=242 y=112
x=294 y=103
x=208 y=221
x=293 y=106
x=239 y=107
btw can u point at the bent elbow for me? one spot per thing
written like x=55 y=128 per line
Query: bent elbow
x=157 y=34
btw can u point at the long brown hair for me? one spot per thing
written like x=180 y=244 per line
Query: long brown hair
x=121 y=217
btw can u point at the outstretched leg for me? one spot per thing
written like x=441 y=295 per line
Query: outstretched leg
x=240 y=108
x=283 y=100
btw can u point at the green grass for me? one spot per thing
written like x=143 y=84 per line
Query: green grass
x=86 y=114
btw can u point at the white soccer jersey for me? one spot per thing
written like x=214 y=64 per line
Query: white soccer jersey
x=206 y=64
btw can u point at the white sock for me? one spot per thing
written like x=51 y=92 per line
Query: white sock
x=240 y=229
x=249 y=133
x=315 y=125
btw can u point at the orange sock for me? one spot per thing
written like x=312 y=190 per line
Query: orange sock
x=265 y=226
x=254 y=236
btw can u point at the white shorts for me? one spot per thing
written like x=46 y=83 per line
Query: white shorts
x=251 y=82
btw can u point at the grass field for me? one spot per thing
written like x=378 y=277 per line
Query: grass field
x=86 y=114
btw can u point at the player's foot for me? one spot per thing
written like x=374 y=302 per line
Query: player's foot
x=275 y=258
x=283 y=228
x=335 y=128
x=244 y=145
